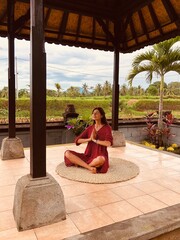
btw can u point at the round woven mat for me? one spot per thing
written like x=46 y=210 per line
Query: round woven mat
x=120 y=170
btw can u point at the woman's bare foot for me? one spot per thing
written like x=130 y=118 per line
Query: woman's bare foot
x=93 y=169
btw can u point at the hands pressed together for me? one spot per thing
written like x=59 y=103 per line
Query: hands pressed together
x=93 y=136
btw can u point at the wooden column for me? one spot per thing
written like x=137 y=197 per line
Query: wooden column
x=38 y=92
x=11 y=74
x=115 y=94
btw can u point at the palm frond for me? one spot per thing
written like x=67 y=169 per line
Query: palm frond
x=149 y=76
x=141 y=68
x=162 y=58
x=164 y=47
x=173 y=67
x=131 y=76
x=147 y=56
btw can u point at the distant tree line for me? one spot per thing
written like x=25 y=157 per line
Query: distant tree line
x=171 y=89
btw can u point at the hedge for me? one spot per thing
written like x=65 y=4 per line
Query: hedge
x=84 y=106
x=144 y=104
x=56 y=107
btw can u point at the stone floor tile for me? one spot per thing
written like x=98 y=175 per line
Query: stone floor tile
x=79 y=203
x=7 y=190
x=146 y=203
x=13 y=234
x=101 y=198
x=90 y=219
x=149 y=187
x=167 y=196
x=120 y=211
x=126 y=192
x=7 y=220
x=6 y=203
x=57 y=231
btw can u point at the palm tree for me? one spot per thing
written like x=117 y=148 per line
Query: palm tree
x=4 y=92
x=73 y=92
x=85 y=89
x=58 y=87
x=98 y=90
x=173 y=88
x=107 y=89
x=161 y=59
x=123 y=90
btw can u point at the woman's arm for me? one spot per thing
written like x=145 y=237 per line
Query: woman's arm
x=83 y=137
x=107 y=142
x=83 y=140
x=103 y=143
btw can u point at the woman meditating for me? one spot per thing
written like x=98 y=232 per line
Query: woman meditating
x=98 y=137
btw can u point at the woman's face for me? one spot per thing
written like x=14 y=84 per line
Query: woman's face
x=96 y=115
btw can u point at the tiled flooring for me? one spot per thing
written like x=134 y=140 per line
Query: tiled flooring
x=90 y=206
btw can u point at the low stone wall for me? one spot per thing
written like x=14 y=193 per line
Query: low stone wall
x=60 y=135
x=137 y=133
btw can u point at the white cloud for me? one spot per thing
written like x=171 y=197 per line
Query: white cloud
x=71 y=66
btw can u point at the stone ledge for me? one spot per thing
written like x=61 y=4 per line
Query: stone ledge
x=148 y=226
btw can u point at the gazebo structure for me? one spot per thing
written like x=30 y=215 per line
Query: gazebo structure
x=109 y=25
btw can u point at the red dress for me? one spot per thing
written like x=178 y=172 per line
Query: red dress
x=93 y=149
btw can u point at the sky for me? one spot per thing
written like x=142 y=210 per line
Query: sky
x=70 y=66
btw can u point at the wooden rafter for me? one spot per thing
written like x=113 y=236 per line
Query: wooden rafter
x=128 y=8
x=94 y=30
x=78 y=27
x=171 y=12
x=105 y=29
x=128 y=19
x=47 y=17
x=133 y=30
x=3 y=16
x=155 y=19
x=143 y=24
x=62 y=28
x=82 y=7
x=122 y=35
x=20 y=22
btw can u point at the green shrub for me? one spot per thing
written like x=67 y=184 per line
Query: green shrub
x=144 y=105
x=55 y=107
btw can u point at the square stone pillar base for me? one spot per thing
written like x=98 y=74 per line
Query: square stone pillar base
x=12 y=148
x=38 y=202
x=118 y=139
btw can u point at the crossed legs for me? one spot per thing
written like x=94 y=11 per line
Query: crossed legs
x=97 y=162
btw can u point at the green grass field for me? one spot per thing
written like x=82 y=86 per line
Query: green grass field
x=129 y=106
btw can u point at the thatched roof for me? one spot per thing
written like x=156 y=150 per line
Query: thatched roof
x=93 y=23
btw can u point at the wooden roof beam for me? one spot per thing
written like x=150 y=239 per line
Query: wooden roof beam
x=171 y=12
x=143 y=24
x=81 y=7
x=3 y=16
x=94 y=30
x=133 y=31
x=78 y=26
x=19 y=23
x=47 y=17
x=128 y=19
x=155 y=19
x=130 y=9
x=105 y=29
x=62 y=28
x=122 y=35
x=73 y=35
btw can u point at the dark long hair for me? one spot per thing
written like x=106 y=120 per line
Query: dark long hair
x=101 y=110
